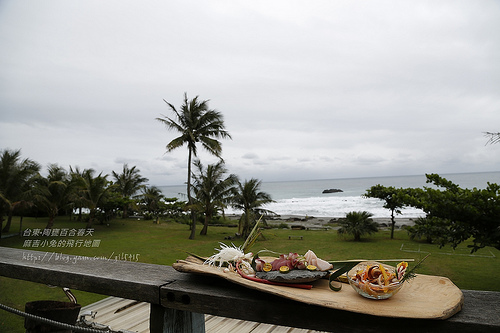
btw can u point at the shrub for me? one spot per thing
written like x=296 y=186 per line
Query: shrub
x=358 y=224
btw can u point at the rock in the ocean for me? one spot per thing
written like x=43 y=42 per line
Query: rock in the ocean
x=293 y=276
x=332 y=190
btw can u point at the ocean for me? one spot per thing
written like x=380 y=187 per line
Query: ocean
x=305 y=198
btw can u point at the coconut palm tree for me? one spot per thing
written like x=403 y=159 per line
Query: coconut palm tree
x=16 y=179
x=94 y=191
x=128 y=183
x=212 y=191
x=151 y=197
x=76 y=195
x=196 y=123
x=51 y=193
x=358 y=224
x=250 y=200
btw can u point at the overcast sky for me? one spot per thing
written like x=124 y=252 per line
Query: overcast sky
x=308 y=89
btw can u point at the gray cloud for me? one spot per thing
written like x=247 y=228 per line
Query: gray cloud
x=308 y=90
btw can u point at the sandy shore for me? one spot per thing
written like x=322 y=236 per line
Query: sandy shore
x=311 y=222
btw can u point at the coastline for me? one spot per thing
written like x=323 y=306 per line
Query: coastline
x=311 y=222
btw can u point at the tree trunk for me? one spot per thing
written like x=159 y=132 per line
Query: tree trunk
x=205 y=225
x=125 y=211
x=21 y=226
x=240 y=223
x=393 y=223
x=9 y=222
x=246 y=224
x=51 y=222
x=190 y=201
x=91 y=218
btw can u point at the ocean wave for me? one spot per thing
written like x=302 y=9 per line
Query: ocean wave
x=334 y=207
x=306 y=198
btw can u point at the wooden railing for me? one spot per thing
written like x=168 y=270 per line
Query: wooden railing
x=179 y=300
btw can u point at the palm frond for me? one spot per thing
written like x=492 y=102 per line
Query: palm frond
x=493 y=137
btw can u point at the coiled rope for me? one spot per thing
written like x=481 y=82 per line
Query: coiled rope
x=53 y=322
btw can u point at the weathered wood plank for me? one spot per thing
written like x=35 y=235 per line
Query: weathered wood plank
x=132 y=280
x=480 y=307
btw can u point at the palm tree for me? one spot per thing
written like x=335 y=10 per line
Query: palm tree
x=196 y=123
x=16 y=179
x=128 y=183
x=211 y=190
x=151 y=197
x=358 y=224
x=493 y=137
x=249 y=199
x=76 y=196
x=94 y=192
x=51 y=192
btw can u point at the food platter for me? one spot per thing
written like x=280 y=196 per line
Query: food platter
x=424 y=297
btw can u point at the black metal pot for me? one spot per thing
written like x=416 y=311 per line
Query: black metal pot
x=64 y=312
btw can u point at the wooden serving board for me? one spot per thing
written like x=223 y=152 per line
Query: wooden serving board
x=424 y=297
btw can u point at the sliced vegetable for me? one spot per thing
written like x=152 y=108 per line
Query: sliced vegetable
x=335 y=285
x=401 y=269
x=284 y=269
x=384 y=274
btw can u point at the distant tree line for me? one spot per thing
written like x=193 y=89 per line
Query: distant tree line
x=24 y=191
x=90 y=197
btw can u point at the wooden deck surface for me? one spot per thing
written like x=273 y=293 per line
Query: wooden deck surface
x=125 y=314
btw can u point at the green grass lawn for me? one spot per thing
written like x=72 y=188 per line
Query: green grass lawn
x=167 y=242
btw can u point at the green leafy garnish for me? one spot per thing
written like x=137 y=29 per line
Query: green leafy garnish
x=252 y=237
x=343 y=267
x=411 y=273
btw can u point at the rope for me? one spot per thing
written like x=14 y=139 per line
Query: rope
x=53 y=322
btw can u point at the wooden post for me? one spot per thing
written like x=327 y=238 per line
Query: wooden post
x=166 y=320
